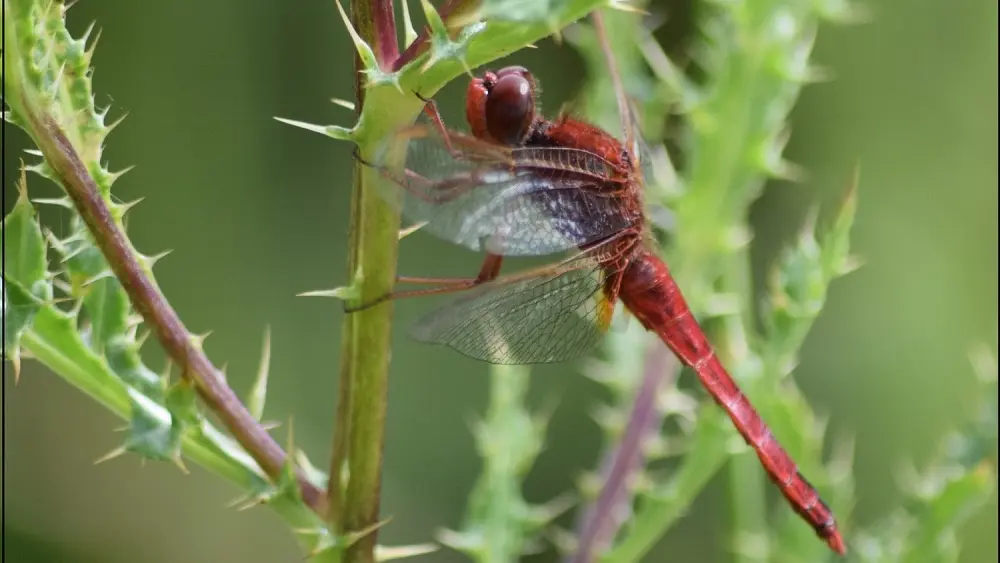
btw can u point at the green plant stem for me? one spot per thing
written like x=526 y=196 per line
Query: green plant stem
x=72 y=174
x=364 y=372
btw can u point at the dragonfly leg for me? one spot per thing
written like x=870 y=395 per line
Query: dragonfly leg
x=488 y=272
x=431 y=110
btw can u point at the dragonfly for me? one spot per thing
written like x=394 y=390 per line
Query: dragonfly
x=521 y=185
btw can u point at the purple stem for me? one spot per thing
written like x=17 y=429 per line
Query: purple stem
x=622 y=464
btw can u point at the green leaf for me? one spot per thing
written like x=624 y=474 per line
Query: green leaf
x=499 y=522
x=799 y=284
x=122 y=354
x=24 y=272
x=47 y=76
x=836 y=257
x=104 y=300
x=19 y=309
x=150 y=433
x=24 y=245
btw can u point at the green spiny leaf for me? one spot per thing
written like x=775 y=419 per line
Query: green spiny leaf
x=499 y=523
x=19 y=309
x=104 y=300
x=24 y=267
x=122 y=353
x=181 y=401
x=836 y=257
x=799 y=284
x=151 y=434
x=24 y=245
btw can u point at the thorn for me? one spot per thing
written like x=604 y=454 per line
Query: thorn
x=223 y=372
x=89 y=53
x=403 y=233
x=141 y=340
x=345 y=293
x=249 y=503
x=291 y=435
x=238 y=501
x=332 y=131
x=57 y=201
x=310 y=531
x=15 y=360
x=22 y=184
x=75 y=310
x=258 y=392
x=556 y=32
x=385 y=553
x=270 y=425
x=86 y=33
x=180 y=464
x=199 y=339
x=150 y=261
x=97 y=278
x=623 y=6
x=114 y=176
x=409 y=34
x=364 y=50
x=319 y=549
x=123 y=208
x=340 y=102
x=434 y=19
x=58 y=81
x=168 y=368
x=68 y=255
x=117 y=452
x=100 y=113
x=353 y=537
x=114 y=125
x=33 y=152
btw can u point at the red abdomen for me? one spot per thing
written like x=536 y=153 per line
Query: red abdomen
x=650 y=293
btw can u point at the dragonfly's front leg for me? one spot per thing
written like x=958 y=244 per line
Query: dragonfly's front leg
x=431 y=110
x=487 y=272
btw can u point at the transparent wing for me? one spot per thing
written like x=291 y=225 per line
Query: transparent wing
x=527 y=201
x=550 y=318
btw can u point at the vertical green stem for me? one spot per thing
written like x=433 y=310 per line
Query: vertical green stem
x=364 y=373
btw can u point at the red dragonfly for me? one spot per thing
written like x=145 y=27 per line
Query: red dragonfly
x=521 y=185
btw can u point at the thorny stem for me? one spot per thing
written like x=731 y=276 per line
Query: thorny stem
x=450 y=9
x=600 y=523
x=360 y=426
x=156 y=312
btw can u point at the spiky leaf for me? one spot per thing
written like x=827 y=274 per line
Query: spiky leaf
x=499 y=522
x=24 y=272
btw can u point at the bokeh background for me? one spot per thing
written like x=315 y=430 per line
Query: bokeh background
x=256 y=212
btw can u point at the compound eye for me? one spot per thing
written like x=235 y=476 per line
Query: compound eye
x=510 y=108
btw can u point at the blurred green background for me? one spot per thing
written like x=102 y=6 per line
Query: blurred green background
x=257 y=211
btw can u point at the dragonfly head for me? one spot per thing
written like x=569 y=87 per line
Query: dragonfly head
x=501 y=106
